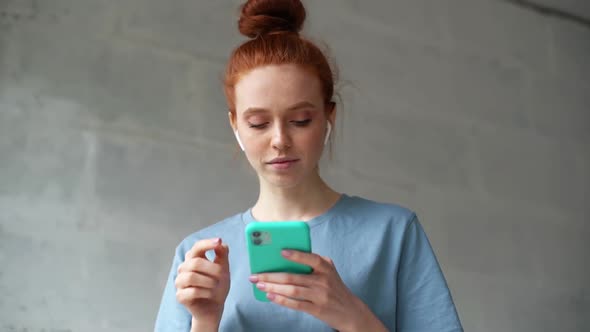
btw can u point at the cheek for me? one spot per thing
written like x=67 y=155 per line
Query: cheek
x=314 y=142
x=257 y=146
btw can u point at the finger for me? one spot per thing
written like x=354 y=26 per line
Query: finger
x=300 y=293
x=201 y=247
x=192 y=279
x=316 y=262
x=285 y=278
x=288 y=302
x=222 y=255
x=189 y=294
x=201 y=265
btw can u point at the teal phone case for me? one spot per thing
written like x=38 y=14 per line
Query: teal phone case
x=265 y=240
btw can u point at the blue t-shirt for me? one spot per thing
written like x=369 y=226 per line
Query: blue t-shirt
x=380 y=251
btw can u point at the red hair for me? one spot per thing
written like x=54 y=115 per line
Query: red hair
x=273 y=26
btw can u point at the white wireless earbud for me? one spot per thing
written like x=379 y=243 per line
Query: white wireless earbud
x=238 y=139
x=328 y=133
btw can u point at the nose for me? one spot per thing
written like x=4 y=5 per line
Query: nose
x=281 y=140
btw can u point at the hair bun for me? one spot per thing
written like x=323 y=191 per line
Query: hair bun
x=260 y=17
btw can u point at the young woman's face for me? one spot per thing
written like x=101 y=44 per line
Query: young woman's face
x=281 y=120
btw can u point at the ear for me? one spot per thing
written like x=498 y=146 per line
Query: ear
x=331 y=112
x=232 y=120
x=234 y=127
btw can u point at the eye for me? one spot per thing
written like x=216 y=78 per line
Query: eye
x=302 y=123
x=257 y=126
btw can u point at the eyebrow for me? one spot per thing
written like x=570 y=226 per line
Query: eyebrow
x=303 y=104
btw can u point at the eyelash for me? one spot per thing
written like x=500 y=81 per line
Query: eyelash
x=301 y=123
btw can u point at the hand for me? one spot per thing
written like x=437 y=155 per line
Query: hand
x=202 y=285
x=322 y=293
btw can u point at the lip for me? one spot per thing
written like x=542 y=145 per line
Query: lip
x=282 y=160
x=282 y=163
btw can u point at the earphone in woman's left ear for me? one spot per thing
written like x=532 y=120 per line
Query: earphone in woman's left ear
x=328 y=133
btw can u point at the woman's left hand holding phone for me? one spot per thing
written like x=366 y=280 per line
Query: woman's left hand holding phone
x=202 y=285
x=322 y=294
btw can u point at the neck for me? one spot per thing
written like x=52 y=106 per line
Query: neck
x=302 y=202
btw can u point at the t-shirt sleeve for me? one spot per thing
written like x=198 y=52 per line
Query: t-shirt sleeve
x=173 y=316
x=424 y=302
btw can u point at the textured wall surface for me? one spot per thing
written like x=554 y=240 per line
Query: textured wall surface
x=114 y=145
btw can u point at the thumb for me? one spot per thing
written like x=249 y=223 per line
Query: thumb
x=222 y=254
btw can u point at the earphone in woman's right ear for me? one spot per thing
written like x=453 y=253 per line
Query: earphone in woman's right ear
x=239 y=141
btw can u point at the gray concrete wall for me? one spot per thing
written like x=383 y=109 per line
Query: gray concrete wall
x=114 y=145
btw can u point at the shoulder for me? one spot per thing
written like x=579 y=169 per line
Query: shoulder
x=221 y=228
x=368 y=209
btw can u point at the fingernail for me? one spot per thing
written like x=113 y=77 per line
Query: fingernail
x=253 y=278
x=270 y=296
x=287 y=253
x=260 y=285
x=216 y=240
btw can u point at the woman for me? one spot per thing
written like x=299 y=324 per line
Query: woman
x=373 y=267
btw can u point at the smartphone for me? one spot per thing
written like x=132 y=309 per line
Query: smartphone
x=265 y=240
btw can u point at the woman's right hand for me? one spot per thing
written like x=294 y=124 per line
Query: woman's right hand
x=202 y=285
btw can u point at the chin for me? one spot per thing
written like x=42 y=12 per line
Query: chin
x=284 y=182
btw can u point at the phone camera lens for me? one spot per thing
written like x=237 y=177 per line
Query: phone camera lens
x=256 y=234
x=257 y=241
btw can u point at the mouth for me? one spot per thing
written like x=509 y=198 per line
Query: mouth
x=282 y=163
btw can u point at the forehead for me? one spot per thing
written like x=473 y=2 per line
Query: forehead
x=277 y=87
